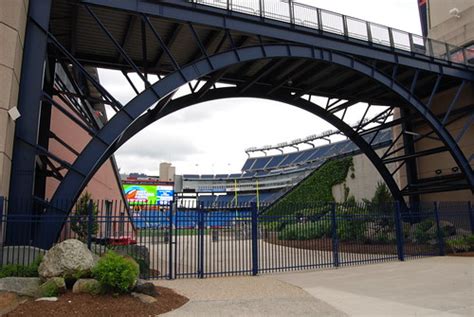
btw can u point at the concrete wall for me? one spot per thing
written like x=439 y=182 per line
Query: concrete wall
x=438 y=10
x=456 y=31
x=13 y=16
x=362 y=181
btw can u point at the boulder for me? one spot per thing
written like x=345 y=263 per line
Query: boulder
x=86 y=285
x=53 y=287
x=146 y=299
x=9 y=301
x=27 y=286
x=68 y=259
x=146 y=288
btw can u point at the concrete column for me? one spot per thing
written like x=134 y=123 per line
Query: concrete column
x=13 y=17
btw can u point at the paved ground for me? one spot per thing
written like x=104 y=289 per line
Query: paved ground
x=438 y=286
x=246 y=296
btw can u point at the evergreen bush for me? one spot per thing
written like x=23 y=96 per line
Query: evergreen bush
x=115 y=273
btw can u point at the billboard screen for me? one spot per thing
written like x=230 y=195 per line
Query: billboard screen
x=164 y=194
x=140 y=194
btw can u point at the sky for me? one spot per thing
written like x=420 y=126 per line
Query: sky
x=211 y=137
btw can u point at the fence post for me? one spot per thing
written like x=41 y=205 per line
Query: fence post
x=438 y=230
x=201 y=240
x=2 y=202
x=90 y=223
x=471 y=215
x=170 y=241
x=254 y=239
x=399 y=232
x=335 y=240
x=320 y=19
x=292 y=12
x=344 y=26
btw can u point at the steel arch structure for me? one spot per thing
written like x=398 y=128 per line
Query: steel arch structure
x=98 y=149
x=276 y=62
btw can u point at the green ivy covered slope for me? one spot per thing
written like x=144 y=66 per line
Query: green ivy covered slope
x=317 y=187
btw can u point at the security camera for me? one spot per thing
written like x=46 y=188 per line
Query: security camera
x=454 y=12
x=14 y=113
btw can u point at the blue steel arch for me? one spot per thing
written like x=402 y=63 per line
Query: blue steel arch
x=98 y=149
x=309 y=106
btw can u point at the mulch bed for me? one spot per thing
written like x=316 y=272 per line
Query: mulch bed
x=71 y=304
x=466 y=254
x=354 y=247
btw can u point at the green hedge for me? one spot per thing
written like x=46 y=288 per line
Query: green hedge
x=306 y=231
x=315 y=188
x=21 y=270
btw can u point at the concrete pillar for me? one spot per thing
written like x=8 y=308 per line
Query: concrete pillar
x=13 y=17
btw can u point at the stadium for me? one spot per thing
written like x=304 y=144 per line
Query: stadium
x=313 y=202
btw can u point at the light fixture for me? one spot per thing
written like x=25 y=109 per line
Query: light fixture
x=14 y=113
x=438 y=172
x=454 y=12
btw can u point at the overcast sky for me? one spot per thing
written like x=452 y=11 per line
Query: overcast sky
x=210 y=138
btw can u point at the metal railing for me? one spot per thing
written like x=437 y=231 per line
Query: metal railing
x=308 y=16
x=189 y=239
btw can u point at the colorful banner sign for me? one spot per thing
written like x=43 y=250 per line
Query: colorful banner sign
x=140 y=194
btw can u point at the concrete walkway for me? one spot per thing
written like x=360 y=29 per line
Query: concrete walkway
x=246 y=296
x=438 y=286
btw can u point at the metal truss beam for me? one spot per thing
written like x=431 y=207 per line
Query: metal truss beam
x=187 y=13
x=102 y=145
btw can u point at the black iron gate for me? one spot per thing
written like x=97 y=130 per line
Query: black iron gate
x=181 y=241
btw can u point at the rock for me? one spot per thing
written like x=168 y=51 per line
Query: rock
x=28 y=286
x=86 y=285
x=46 y=299
x=8 y=302
x=144 y=298
x=68 y=259
x=146 y=288
x=53 y=287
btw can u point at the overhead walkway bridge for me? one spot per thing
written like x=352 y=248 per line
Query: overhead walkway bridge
x=276 y=50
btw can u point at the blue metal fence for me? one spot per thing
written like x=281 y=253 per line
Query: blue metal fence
x=184 y=240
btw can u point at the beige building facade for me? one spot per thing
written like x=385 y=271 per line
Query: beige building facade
x=450 y=21
x=13 y=16
x=106 y=183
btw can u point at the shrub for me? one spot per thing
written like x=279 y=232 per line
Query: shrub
x=470 y=241
x=351 y=230
x=422 y=233
x=458 y=245
x=115 y=273
x=272 y=226
x=384 y=238
x=80 y=218
x=306 y=231
x=49 y=289
x=18 y=270
x=463 y=244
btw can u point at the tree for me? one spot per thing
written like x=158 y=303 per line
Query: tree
x=80 y=217
x=382 y=204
